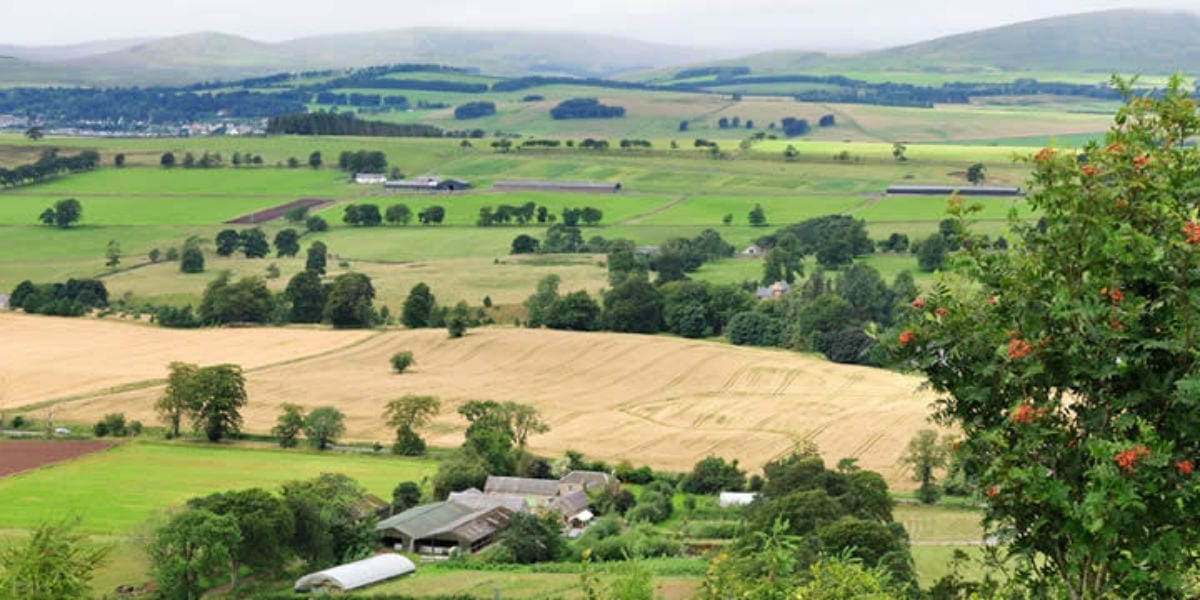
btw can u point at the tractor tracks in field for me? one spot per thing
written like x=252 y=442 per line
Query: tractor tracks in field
x=637 y=219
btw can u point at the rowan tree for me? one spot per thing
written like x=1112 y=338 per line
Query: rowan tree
x=1069 y=362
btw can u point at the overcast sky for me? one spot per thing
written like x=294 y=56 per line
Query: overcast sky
x=832 y=25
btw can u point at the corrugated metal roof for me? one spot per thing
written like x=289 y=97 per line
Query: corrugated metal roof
x=423 y=521
x=589 y=479
x=521 y=486
x=570 y=504
x=358 y=574
x=970 y=190
x=479 y=500
x=559 y=185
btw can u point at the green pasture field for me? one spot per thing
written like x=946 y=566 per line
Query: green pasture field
x=117 y=490
x=138 y=210
x=670 y=193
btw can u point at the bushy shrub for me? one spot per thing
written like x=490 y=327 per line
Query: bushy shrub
x=401 y=361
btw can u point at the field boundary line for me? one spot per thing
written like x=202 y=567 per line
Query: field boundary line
x=150 y=383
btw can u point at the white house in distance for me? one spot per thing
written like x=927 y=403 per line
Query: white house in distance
x=752 y=250
x=370 y=178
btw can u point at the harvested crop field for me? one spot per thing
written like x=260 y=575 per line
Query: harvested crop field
x=654 y=399
x=46 y=358
x=23 y=455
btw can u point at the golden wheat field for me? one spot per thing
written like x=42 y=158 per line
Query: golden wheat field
x=659 y=400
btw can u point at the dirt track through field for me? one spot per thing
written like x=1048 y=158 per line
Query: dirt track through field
x=650 y=399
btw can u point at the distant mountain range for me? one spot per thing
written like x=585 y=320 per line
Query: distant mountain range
x=1127 y=41
x=207 y=56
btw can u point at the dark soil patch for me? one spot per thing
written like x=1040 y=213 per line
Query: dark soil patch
x=275 y=212
x=23 y=455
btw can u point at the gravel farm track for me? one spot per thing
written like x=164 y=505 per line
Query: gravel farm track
x=24 y=455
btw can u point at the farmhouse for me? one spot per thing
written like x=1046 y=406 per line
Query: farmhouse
x=946 y=190
x=427 y=184
x=370 y=178
x=559 y=186
x=443 y=527
x=357 y=574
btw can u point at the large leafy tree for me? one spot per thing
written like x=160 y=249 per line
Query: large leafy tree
x=288 y=425
x=307 y=297
x=418 y=307
x=406 y=415
x=193 y=546
x=217 y=395
x=179 y=396
x=323 y=426
x=349 y=303
x=266 y=527
x=1071 y=365
x=329 y=524
x=55 y=563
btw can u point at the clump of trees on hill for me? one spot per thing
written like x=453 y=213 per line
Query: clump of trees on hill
x=585 y=108
x=363 y=161
x=75 y=297
x=328 y=123
x=474 y=110
x=50 y=164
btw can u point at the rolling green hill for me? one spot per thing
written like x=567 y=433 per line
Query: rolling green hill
x=206 y=56
x=1124 y=41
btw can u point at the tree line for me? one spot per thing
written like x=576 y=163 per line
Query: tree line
x=328 y=123
x=49 y=165
x=585 y=108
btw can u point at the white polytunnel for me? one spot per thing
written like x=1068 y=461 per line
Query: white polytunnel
x=357 y=574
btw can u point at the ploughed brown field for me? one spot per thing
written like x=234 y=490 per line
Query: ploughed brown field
x=23 y=455
x=658 y=400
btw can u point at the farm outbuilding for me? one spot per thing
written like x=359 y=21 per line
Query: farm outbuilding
x=367 y=178
x=521 y=486
x=559 y=186
x=946 y=190
x=444 y=527
x=481 y=501
x=352 y=576
x=427 y=184
x=591 y=480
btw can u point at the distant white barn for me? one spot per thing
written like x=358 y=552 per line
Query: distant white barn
x=352 y=576
x=752 y=250
x=728 y=499
x=370 y=178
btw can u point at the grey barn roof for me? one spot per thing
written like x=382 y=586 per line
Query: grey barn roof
x=579 y=186
x=589 y=479
x=946 y=190
x=520 y=486
x=570 y=504
x=357 y=574
x=480 y=501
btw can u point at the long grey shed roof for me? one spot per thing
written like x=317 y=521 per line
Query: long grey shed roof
x=479 y=500
x=447 y=517
x=970 y=190
x=589 y=479
x=579 y=186
x=520 y=486
x=358 y=574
